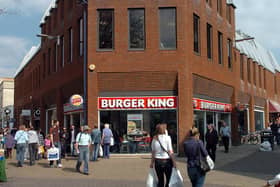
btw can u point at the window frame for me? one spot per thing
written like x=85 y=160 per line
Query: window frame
x=209 y=41
x=220 y=48
x=144 y=30
x=196 y=18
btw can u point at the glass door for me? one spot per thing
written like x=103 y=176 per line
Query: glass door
x=199 y=123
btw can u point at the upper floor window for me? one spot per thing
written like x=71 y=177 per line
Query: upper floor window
x=241 y=67
x=248 y=70
x=136 y=28
x=81 y=36
x=260 y=76
x=70 y=45
x=275 y=84
x=55 y=58
x=229 y=47
x=254 y=73
x=106 y=29
x=196 y=33
x=167 y=22
x=62 y=50
x=219 y=6
x=220 y=48
x=228 y=13
x=49 y=61
x=209 y=40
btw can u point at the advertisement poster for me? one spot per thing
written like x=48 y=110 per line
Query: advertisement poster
x=134 y=124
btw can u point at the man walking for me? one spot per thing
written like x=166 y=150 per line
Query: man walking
x=225 y=133
x=211 y=141
x=55 y=140
x=96 y=140
x=83 y=141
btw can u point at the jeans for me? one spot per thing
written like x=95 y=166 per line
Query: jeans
x=196 y=176
x=20 y=152
x=32 y=147
x=163 y=167
x=106 y=150
x=95 y=151
x=84 y=156
x=72 y=148
x=58 y=145
x=211 y=149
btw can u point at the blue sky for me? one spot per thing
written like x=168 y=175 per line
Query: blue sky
x=20 y=19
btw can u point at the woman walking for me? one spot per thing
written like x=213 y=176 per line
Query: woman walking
x=21 y=138
x=162 y=155
x=106 y=140
x=194 y=148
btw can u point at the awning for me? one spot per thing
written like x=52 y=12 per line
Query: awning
x=274 y=107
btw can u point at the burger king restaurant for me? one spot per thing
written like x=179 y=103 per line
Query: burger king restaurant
x=133 y=120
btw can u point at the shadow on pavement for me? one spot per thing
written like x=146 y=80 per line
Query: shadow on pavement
x=72 y=170
x=13 y=164
x=44 y=165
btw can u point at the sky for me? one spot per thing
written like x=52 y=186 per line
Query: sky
x=20 y=19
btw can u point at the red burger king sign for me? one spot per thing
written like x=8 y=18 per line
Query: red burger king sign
x=76 y=100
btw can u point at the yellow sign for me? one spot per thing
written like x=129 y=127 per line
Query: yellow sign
x=76 y=100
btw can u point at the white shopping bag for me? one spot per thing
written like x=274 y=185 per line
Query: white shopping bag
x=112 y=142
x=100 y=152
x=210 y=162
x=151 y=179
x=176 y=179
x=53 y=153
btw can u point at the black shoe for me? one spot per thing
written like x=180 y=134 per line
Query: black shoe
x=85 y=173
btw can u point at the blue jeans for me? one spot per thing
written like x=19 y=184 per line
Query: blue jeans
x=106 y=150
x=95 y=151
x=20 y=152
x=58 y=145
x=196 y=176
x=84 y=156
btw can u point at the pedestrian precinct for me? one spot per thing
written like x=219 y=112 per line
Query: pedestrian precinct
x=21 y=139
x=33 y=143
x=96 y=140
x=193 y=149
x=9 y=144
x=83 y=142
x=55 y=141
x=106 y=140
x=162 y=155
x=225 y=133
x=211 y=138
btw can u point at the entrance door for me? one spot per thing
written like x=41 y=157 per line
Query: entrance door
x=199 y=123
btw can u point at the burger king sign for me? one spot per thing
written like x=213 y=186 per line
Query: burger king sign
x=76 y=100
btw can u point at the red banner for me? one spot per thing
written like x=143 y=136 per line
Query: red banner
x=201 y=104
x=127 y=103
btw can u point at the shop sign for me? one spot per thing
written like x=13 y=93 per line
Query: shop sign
x=76 y=100
x=127 y=103
x=25 y=112
x=71 y=108
x=201 y=104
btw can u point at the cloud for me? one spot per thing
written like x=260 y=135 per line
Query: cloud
x=26 y=7
x=12 y=51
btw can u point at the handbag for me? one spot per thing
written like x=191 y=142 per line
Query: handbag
x=151 y=179
x=176 y=179
x=203 y=164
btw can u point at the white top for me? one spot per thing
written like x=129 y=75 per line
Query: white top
x=276 y=180
x=166 y=143
x=84 y=140
x=32 y=137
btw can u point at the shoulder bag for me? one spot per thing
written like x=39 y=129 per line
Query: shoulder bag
x=203 y=164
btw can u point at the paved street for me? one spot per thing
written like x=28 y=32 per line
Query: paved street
x=243 y=166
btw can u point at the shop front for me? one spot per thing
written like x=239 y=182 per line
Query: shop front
x=210 y=112
x=133 y=120
x=73 y=115
x=259 y=118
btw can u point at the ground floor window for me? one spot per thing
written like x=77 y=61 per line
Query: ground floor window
x=133 y=129
x=259 y=120
x=75 y=119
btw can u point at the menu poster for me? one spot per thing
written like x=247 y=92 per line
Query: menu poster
x=134 y=124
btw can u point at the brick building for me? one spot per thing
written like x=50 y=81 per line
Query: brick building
x=170 y=61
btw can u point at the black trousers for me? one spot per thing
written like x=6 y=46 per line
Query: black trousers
x=163 y=167
x=211 y=149
x=226 y=142
x=32 y=148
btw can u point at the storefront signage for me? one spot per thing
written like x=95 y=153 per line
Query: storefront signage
x=126 y=103
x=201 y=104
x=68 y=108
x=26 y=112
x=76 y=100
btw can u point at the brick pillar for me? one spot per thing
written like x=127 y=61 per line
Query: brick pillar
x=235 y=135
x=43 y=116
x=92 y=95
x=252 y=114
x=59 y=107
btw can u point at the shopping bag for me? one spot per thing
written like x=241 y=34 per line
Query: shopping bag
x=210 y=162
x=53 y=153
x=100 y=152
x=151 y=179
x=176 y=179
x=41 y=150
x=112 y=141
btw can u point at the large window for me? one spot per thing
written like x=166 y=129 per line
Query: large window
x=136 y=28
x=81 y=36
x=106 y=29
x=209 y=40
x=196 y=33
x=259 y=120
x=70 y=45
x=220 y=47
x=229 y=47
x=167 y=21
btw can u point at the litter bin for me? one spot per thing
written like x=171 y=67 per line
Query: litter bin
x=267 y=136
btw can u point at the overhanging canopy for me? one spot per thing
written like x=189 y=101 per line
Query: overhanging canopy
x=274 y=107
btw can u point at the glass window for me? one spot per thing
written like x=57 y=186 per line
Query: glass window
x=81 y=36
x=259 y=120
x=196 y=33
x=167 y=21
x=220 y=47
x=219 y=6
x=209 y=41
x=62 y=51
x=229 y=46
x=136 y=28
x=70 y=44
x=105 y=29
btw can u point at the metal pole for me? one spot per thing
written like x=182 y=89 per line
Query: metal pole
x=85 y=65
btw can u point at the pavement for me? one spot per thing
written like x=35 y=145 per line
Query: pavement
x=243 y=166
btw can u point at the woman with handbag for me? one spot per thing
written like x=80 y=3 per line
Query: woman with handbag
x=162 y=155
x=194 y=150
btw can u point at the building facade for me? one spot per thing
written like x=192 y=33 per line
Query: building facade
x=147 y=62
x=7 y=102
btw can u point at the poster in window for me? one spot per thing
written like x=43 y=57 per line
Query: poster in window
x=134 y=124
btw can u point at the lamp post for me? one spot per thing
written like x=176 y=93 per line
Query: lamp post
x=7 y=112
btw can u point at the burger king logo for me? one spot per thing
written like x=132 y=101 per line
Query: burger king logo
x=76 y=100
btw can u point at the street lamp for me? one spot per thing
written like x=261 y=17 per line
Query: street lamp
x=243 y=39
x=7 y=112
x=50 y=37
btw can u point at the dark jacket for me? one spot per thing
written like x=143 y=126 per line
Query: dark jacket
x=212 y=137
x=191 y=149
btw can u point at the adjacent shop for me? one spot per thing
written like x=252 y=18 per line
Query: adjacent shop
x=133 y=120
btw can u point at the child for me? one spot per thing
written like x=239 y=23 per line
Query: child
x=47 y=143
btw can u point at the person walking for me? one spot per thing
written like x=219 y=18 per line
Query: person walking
x=106 y=140
x=55 y=141
x=225 y=133
x=73 y=133
x=162 y=155
x=9 y=144
x=211 y=141
x=64 y=136
x=83 y=142
x=96 y=140
x=33 y=142
x=21 y=139
x=194 y=148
